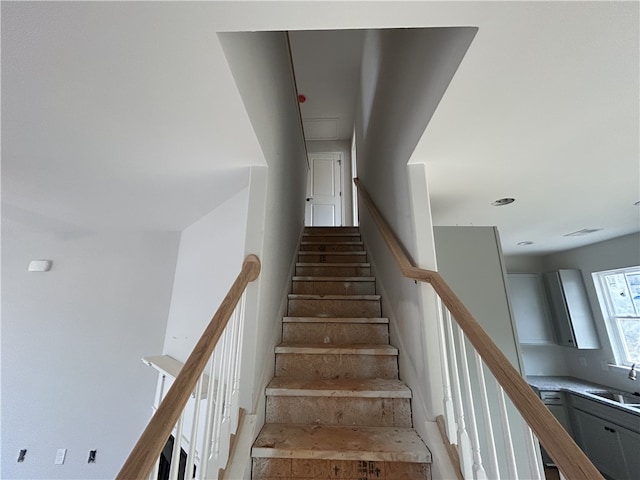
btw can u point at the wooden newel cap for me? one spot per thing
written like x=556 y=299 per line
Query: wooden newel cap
x=253 y=262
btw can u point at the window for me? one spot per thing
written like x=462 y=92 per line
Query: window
x=619 y=296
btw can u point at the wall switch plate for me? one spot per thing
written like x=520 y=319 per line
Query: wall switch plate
x=582 y=361
x=60 y=454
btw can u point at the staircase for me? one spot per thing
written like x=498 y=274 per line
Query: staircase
x=336 y=408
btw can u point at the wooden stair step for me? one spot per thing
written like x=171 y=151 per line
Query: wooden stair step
x=332 y=257
x=318 y=278
x=331 y=247
x=327 y=442
x=335 y=333
x=351 y=269
x=326 y=349
x=331 y=229
x=338 y=387
x=336 y=320
x=305 y=305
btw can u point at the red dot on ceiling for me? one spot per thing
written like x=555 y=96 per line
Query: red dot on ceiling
x=302 y=98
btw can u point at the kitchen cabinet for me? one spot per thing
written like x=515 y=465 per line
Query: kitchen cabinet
x=570 y=309
x=555 y=402
x=610 y=437
x=530 y=309
x=601 y=442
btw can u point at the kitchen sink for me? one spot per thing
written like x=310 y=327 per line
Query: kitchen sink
x=626 y=399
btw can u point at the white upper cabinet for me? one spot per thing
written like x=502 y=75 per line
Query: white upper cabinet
x=530 y=309
x=570 y=309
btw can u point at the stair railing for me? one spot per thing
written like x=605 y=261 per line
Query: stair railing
x=455 y=323
x=219 y=348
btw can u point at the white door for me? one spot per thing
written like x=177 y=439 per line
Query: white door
x=324 y=196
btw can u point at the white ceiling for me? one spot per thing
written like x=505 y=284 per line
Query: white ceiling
x=125 y=115
x=327 y=68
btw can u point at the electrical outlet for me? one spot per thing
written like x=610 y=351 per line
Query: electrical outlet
x=21 y=455
x=60 y=454
x=92 y=456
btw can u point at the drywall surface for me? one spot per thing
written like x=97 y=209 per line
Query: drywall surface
x=616 y=253
x=342 y=147
x=261 y=67
x=470 y=261
x=209 y=260
x=404 y=74
x=72 y=340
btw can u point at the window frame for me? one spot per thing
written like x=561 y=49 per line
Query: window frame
x=611 y=318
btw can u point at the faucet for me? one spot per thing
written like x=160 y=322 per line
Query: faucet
x=632 y=372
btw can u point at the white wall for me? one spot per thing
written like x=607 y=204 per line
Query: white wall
x=470 y=260
x=209 y=259
x=261 y=67
x=404 y=74
x=72 y=340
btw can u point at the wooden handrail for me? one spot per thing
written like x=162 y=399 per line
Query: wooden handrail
x=147 y=450
x=569 y=458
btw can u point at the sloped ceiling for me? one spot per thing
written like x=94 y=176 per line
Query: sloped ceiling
x=126 y=115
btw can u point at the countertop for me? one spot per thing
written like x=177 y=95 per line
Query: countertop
x=579 y=387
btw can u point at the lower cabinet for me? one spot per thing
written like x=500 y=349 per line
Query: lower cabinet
x=601 y=442
x=613 y=449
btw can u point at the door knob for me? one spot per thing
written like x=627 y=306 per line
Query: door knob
x=310 y=198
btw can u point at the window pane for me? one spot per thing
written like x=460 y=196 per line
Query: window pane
x=630 y=332
x=634 y=285
x=619 y=295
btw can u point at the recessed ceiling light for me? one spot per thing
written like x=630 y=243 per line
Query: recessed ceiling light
x=584 y=231
x=503 y=201
x=524 y=244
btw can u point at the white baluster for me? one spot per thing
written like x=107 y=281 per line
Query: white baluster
x=464 y=443
x=449 y=418
x=506 y=434
x=236 y=373
x=191 y=455
x=154 y=472
x=175 y=455
x=205 y=453
x=217 y=418
x=492 y=454
x=478 y=468
x=535 y=462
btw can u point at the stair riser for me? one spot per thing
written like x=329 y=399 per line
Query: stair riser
x=303 y=469
x=332 y=239
x=332 y=258
x=375 y=412
x=333 y=271
x=330 y=247
x=313 y=230
x=336 y=366
x=334 y=308
x=334 y=288
x=335 y=334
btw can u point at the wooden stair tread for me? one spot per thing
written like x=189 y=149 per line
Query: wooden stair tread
x=389 y=444
x=307 y=242
x=337 y=254
x=323 y=264
x=316 y=278
x=333 y=349
x=335 y=320
x=338 y=387
x=330 y=234
x=308 y=296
